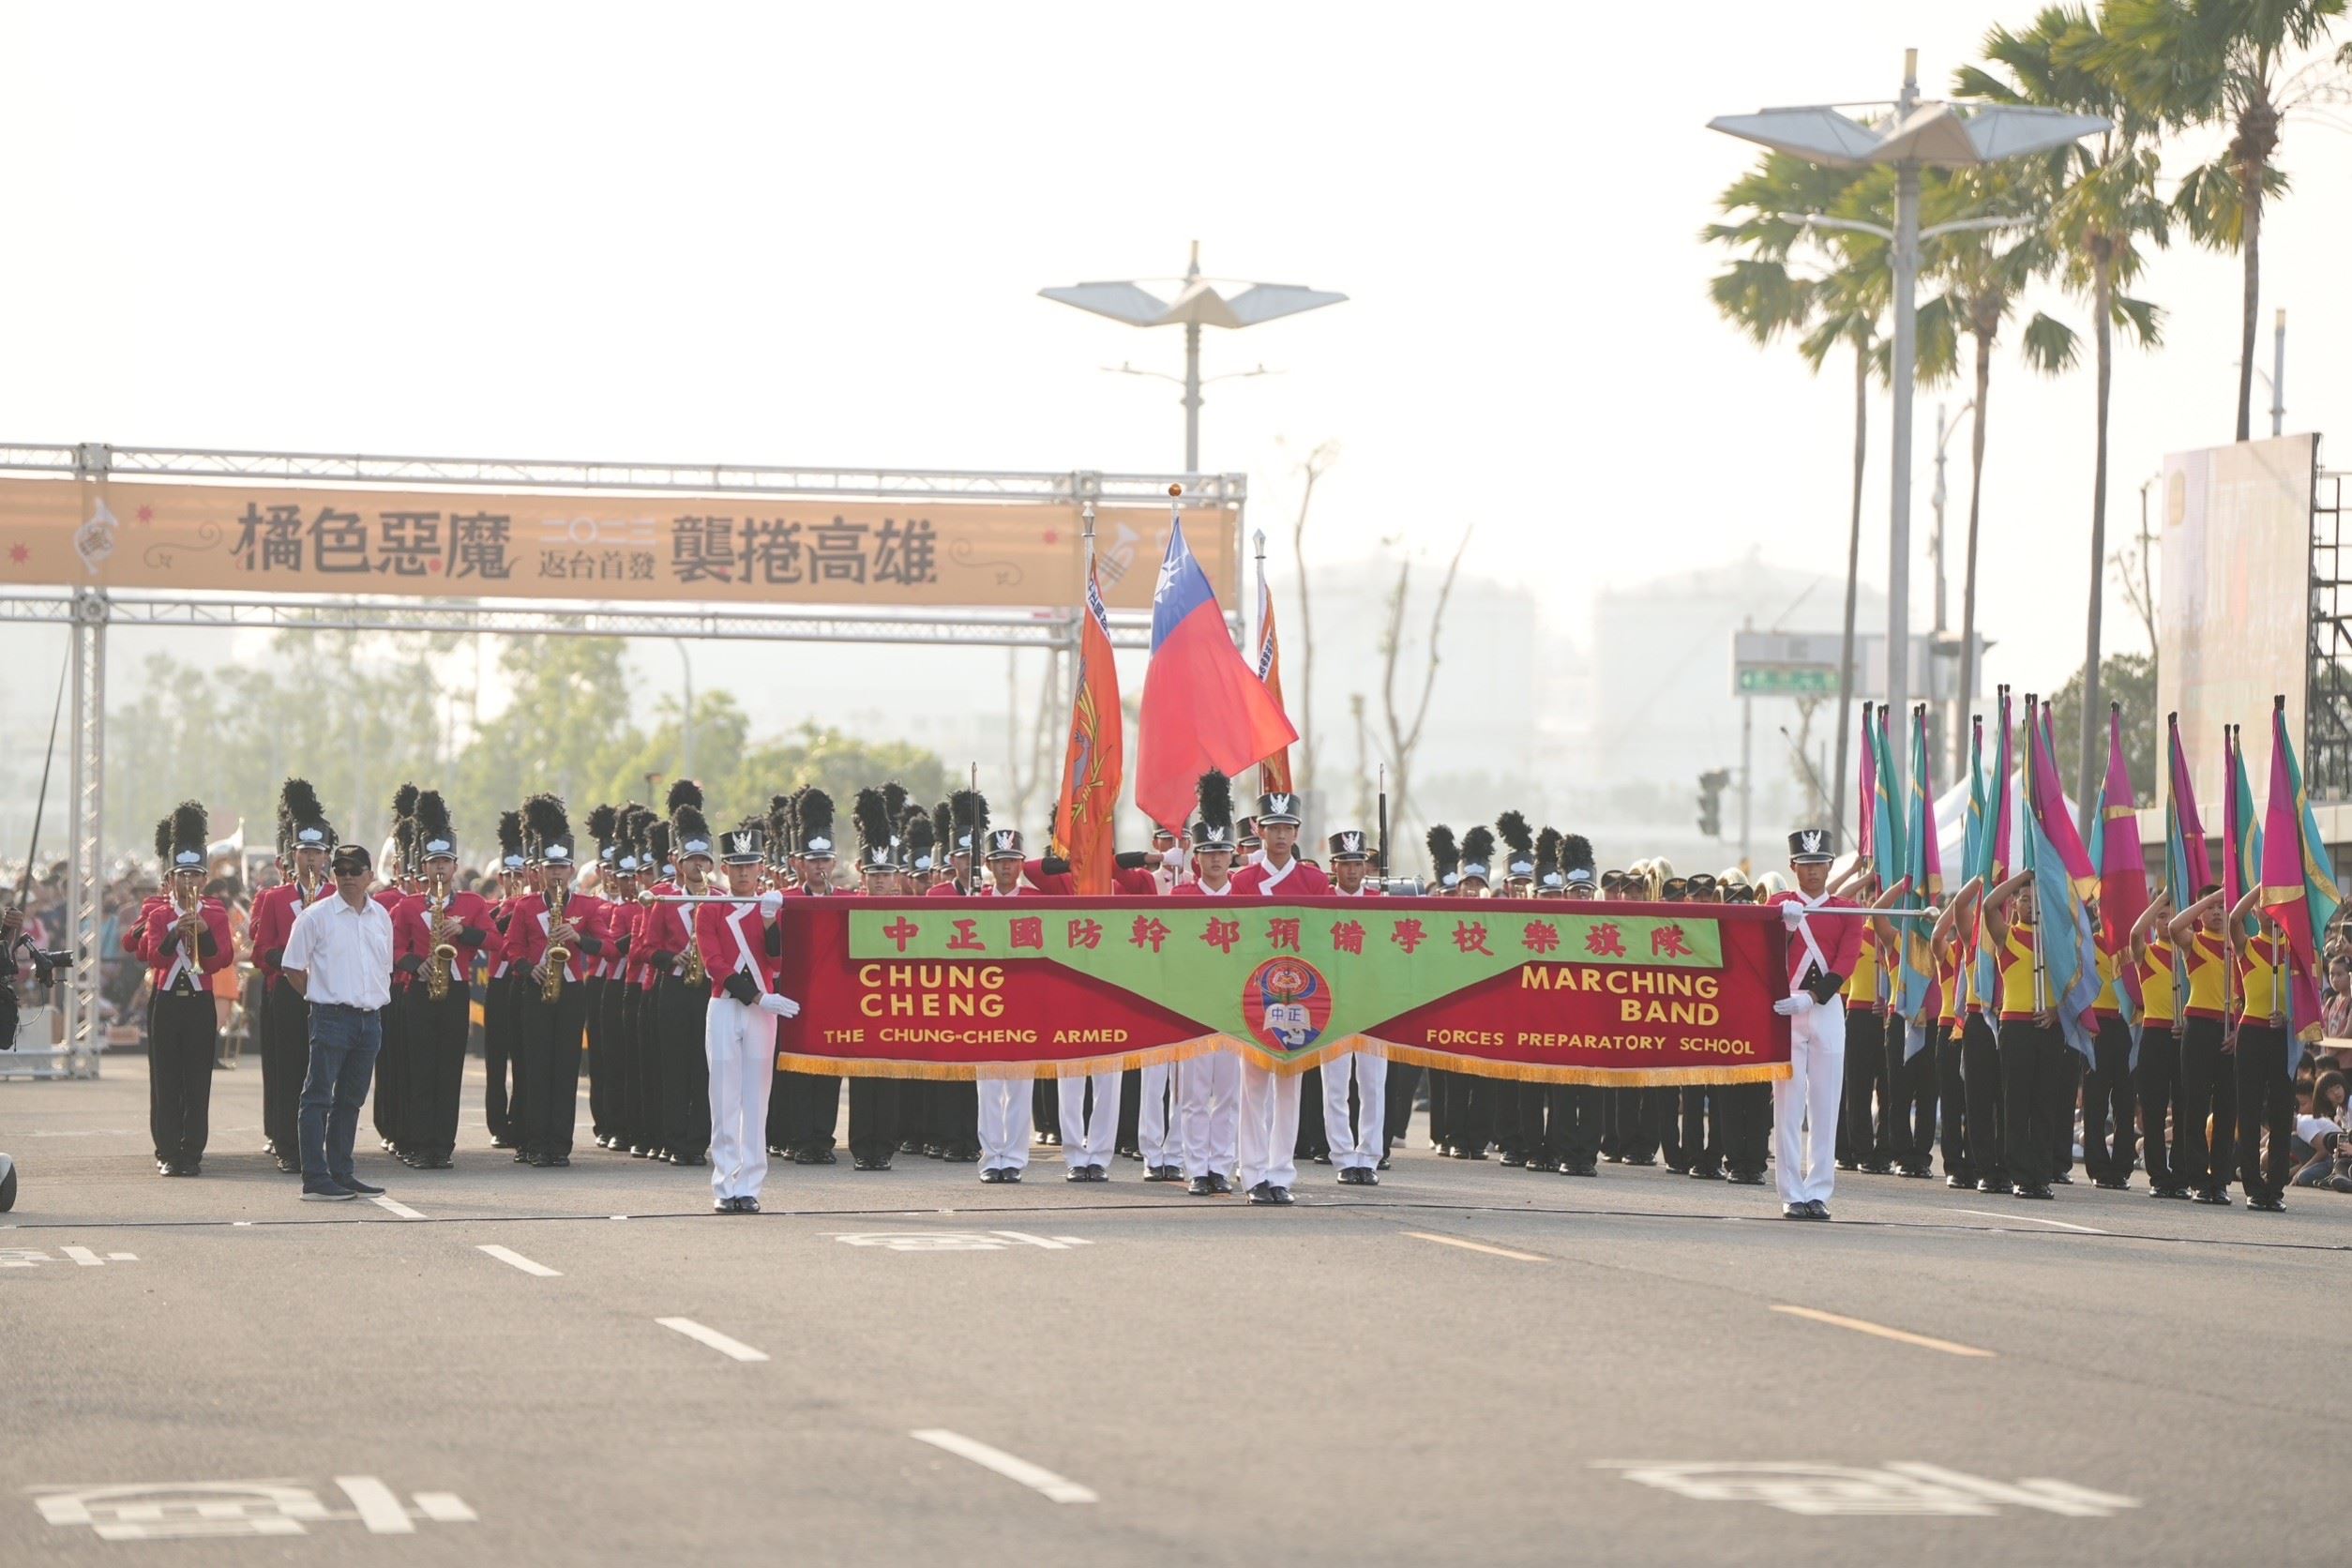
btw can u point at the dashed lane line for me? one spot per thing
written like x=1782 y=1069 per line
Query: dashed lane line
x=1477 y=1247
x=516 y=1259
x=1860 y=1325
x=735 y=1348
x=1055 y=1488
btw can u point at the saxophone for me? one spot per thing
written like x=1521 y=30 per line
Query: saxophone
x=558 y=957
x=694 y=974
x=189 y=905
x=443 y=967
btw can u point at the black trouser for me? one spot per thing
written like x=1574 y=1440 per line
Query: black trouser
x=649 y=1084
x=1952 y=1106
x=2266 y=1105
x=1745 y=1112
x=1543 y=1123
x=2108 y=1097
x=1702 y=1128
x=1045 y=1108
x=2207 y=1087
x=2070 y=1094
x=1981 y=1075
x=1577 y=1125
x=1313 y=1140
x=1502 y=1115
x=285 y=1061
x=957 y=1113
x=1910 y=1098
x=686 y=1069
x=813 y=1112
x=1636 y=1116
x=874 y=1119
x=1468 y=1112
x=391 y=1062
x=183 y=1034
x=550 y=1078
x=1402 y=1079
x=2034 y=1088
x=502 y=1051
x=435 y=1079
x=1866 y=1130
x=2156 y=1084
x=594 y=1012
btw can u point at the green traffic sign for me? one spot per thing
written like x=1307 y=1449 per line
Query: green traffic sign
x=1769 y=681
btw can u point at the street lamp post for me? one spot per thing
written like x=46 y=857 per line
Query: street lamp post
x=1911 y=134
x=1199 y=303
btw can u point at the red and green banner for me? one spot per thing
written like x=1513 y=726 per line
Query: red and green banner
x=1547 y=990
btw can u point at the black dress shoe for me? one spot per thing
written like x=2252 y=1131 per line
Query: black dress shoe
x=1220 y=1183
x=2268 y=1205
x=1009 y=1175
x=1737 y=1178
x=1511 y=1159
x=722 y=1205
x=1262 y=1193
x=2218 y=1197
x=746 y=1205
x=559 y=1159
x=1643 y=1161
x=1278 y=1197
x=1367 y=1178
x=1993 y=1184
x=1795 y=1210
x=990 y=1176
x=1200 y=1186
x=1383 y=1165
x=1960 y=1184
x=2039 y=1191
x=2062 y=1180
x=1700 y=1173
x=497 y=1142
x=1815 y=1208
x=1323 y=1158
x=1078 y=1173
x=287 y=1166
x=1587 y=1169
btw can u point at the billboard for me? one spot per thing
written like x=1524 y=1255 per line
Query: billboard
x=2234 y=604
x=927 y=552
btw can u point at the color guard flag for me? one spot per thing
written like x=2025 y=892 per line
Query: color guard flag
x=1274 y=774
x=2298 y=892
x=1866 y=790
x=2062 y=884
x=1204 y=708
x=2187 y=868
x=1993 y=865
x=2122 y=871
x=1093 y=764
x=1924 y=864
x=2242 y=835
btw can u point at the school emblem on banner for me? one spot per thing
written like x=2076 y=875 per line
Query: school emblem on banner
x=1286 y=1002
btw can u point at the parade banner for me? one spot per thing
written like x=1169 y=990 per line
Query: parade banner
x=934 y=551
x=1551 y=991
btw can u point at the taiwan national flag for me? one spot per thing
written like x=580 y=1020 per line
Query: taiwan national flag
x=1204 y=708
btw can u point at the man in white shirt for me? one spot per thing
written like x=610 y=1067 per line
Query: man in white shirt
x=1357 y=1144
x=1210 y=1086
x=339 y=957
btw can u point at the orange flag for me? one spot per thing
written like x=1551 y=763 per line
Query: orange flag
x=1092 y=766
x=1273 y=774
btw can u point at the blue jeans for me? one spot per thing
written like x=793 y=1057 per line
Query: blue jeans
x=343 y=1046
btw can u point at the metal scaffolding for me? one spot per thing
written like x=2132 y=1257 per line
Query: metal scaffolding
x=2328 y=673
x=89 y=611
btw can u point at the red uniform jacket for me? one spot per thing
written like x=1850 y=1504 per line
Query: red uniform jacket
x=1299 y=881
x=734 y=938
x=1137 y=883
x=266 y=927
x=658 y=938
x=411 y=937
x=1839 y=938
x=526 y=934
x=160 y=945
x=135 y=932
x=1191 y=887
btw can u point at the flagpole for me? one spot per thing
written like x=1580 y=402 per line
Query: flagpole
x=1258 y=661
x=2041 y=913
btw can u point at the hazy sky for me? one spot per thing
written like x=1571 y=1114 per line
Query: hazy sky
x=795 y=234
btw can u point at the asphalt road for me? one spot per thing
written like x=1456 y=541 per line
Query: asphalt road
x=1469 y=1363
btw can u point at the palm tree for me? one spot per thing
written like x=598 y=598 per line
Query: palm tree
x=2225 y=63
x=1839 y=308
x=2103 y=205
x=1984 y=276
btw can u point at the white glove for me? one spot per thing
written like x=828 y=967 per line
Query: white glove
x=1795 y=1005
x=1792 y=914
x=1173 y=859
x=782 y=1006
x=771 y=902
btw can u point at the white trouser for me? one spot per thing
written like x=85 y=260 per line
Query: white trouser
x=1085 y=1141
x=1360 y=1149
x=1806 y=1166
x=1153 y=1119
x=739 y=1042
x=1269 y=1128
x=1210 y=1088
x=1005 y=1123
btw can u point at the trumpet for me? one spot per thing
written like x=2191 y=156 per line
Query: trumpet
x=694 y=974
x=442 y=968
x=558 y=957
x=308 y=885
x=189 y=904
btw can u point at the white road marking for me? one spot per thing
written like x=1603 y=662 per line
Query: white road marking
x=444 y=1508
x=122 y=1258
x=386 y=1201
x=509 y=1254
x=1057 y=1488
x=1996 y=1213
x=83 y=1256
x=1476 y=1246
x=1051 y=1244
x=1881 y=1330
x=712 y=1337
x=2051 y=1497
x=379 y=1508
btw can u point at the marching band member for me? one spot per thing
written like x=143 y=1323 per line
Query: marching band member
x=2267 y=1053
x=186 y=942
x=543 y=923
x=1357 y=1143
x=874 y=1102
x=642 y=1104
x=813 y=1100
x=742 y=947
x=435 y=937
x=1211 y=1084
x=2157 y=1079
x=306 y=838
x=2033 y=1080
x=959 y=824
x=677 y=999
x=1804 y=1103
x=502 y=1002
x=1469 y=1096
x=2207 y=1084
x=1267 y=1104
x=392 y=1056
x=1506 y=1097
x=1007 y=1104
x=604 y=1076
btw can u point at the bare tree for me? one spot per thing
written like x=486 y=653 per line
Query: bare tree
x=1040 y=765
x=1404 y=739
x=1318 y=463
x=1363 y=759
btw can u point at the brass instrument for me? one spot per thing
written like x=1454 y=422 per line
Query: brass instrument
x=442 y=968
x=694 y=974
x=308 y=885
x=558 y=957
x=191 y=907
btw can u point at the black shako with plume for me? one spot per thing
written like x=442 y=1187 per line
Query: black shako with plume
x=1445 y=857
x=434 y=835
x=1518 y=844
x=1478 y=853
x=1212 y=819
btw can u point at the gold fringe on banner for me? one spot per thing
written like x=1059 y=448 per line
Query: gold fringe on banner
x=1603 y=1078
